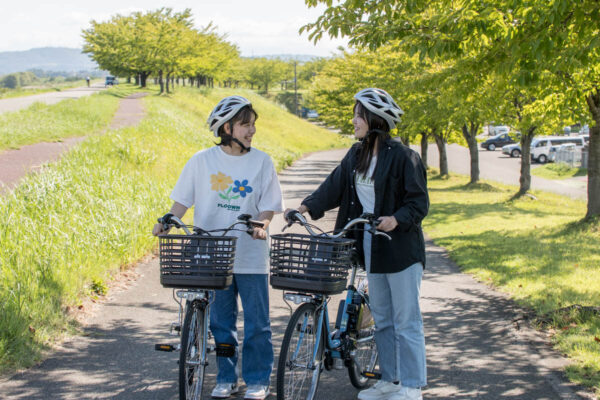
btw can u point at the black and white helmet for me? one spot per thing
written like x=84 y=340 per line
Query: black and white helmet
x=224 y=111
x=379 y=102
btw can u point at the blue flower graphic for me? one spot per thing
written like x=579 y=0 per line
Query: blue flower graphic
x=242 y=188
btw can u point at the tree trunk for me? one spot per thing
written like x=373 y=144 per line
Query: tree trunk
x=469 y=135
x=160 y=81
x=441 y=145
x=525 y=178
x=129 y=79
x=137 y=79
x=424 y=147
x=168 y=80
x=143 y=78
x=405 y=136
x=593 y=207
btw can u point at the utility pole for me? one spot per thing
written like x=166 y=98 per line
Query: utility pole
x=295 y=91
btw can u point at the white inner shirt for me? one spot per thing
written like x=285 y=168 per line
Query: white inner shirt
x=365 y=187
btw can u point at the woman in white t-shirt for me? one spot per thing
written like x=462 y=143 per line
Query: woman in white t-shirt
x=221 y=183
x=382 y=176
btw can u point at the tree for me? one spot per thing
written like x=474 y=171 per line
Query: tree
x=264 y=72
x=520 y=41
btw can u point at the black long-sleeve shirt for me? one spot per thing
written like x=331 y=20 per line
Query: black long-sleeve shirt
x=400 y=191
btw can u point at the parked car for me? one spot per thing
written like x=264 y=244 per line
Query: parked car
x=513 y=150
x=312 y=114
x=111 y=80
x=540 y=147
x=497 y=141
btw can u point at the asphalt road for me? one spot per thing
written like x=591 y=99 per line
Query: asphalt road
x=474 y=349
x=17 y=103
x=495 y=166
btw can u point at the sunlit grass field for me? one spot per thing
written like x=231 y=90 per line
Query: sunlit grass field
x=538 y=251
x=69 y=118
x=64 y=230
x=558 y=171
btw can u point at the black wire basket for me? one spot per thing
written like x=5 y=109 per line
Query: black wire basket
x=198 y=262
x=310 y=264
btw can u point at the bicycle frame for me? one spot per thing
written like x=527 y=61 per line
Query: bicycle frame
x=332 y=344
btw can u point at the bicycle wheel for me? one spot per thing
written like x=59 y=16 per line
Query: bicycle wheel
x=297 y=375
x=192 y=359
x=365 y=354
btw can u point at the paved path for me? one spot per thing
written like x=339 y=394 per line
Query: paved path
x=17 y=103
x=15 y=164
x=495 y=166
x=474 y=350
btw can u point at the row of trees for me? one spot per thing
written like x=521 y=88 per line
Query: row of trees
x=164 y=44
x=533 y=64
x=161 y=43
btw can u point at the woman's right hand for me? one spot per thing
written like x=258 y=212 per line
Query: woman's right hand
x=158 y=229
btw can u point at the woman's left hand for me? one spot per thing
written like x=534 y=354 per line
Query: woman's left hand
x=259 y=233
x=387 y=224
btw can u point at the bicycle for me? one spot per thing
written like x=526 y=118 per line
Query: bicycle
x=194 y=265
x=310 y=268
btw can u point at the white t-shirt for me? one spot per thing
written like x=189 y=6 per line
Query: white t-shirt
x=221 y=187
x=365 y=188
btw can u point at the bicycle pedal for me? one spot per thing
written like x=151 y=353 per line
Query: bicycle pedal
x=371 y=375
x=166 y=347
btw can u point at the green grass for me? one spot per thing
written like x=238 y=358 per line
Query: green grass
x=538 y=251
x=558 y=171
x=64 y=230
x=69 y=118
x=43 y=88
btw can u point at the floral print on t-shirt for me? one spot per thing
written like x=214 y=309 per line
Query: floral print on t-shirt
x=222 y=183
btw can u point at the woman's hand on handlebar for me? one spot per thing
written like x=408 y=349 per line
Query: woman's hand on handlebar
x=259 y=233
x=159 y=229
x=387 y=224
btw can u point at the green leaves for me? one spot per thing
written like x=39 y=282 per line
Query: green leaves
x=160 y=40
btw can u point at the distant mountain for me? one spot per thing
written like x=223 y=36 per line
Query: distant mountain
x=47 y=59
x=289 y=57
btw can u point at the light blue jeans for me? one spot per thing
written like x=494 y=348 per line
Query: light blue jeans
x=399 y=335
x=257 y=350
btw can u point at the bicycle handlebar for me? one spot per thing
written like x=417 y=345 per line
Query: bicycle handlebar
x=169 y=220
x=365 y=218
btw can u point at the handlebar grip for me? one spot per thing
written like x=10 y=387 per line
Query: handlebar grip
x=292 y=216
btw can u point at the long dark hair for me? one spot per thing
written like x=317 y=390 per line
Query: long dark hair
x=378 y=133
x=244 y=115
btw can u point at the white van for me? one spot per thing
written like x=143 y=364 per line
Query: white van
x=540 y=147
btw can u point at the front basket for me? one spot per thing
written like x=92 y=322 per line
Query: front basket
x=192 y=261
x=310 y=264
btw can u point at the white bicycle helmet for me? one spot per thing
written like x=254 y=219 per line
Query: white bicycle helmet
x=224 y=111
x=379 y=102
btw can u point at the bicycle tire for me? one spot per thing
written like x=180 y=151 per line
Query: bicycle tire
x=193 y=352
x=366 y=353
x=291 y=375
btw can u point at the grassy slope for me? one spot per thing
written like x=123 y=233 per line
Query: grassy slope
x=69 y=118
x=68 y=226
x=536 y=250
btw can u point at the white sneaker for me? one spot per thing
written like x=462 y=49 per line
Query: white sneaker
x=382 y=390
x=408 y=393
x=257 y=392
x=224 y=390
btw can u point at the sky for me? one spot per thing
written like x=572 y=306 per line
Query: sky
x=257 y=27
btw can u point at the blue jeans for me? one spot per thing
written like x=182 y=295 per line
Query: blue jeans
x=399 y=335
x=257 y=350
